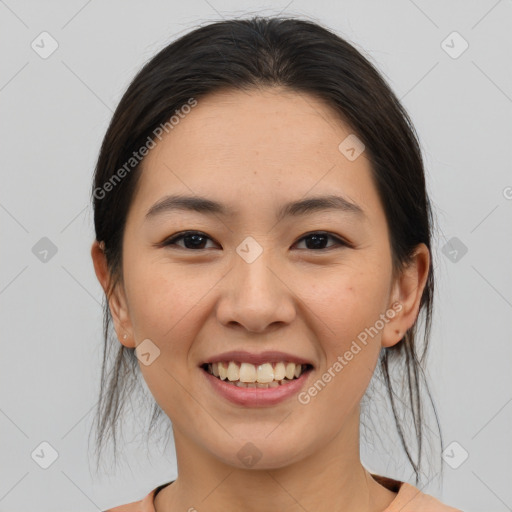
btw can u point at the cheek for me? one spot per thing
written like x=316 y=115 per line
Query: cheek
x=164 y=308
x=161 y=301
x=347 y=301
x=346 y=310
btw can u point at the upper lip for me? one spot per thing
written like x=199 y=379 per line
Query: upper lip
x=269 y=356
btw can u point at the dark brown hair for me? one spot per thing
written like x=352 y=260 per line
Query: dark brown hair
x=305 y=58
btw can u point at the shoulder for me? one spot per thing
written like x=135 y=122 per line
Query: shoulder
x=408 y=499
x=411 y=499
x=144 y=505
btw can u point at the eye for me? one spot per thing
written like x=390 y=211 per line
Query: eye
x=192 y=240
x=196 y=240
x=319 y=237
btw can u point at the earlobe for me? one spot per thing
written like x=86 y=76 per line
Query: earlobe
x=394 y=330
x=120 y=317
x=407 y=292
x=115 y=297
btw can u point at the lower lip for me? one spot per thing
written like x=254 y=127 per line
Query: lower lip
x=256 y=397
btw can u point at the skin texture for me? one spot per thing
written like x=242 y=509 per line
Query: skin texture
x=254 y=151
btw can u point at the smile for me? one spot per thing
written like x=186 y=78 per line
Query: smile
x=256 y=385
x=256 y=376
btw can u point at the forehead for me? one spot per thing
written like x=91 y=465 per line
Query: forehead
x=245 y=123
x=271 y=145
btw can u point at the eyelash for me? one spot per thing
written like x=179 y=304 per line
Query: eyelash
x=172 y=241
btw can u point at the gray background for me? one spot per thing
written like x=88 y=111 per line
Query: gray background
x=54 y=113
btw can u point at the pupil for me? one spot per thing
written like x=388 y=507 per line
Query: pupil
x=316 y=238
x=197 y=240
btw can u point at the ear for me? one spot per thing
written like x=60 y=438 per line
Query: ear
x=406 y=297
x=117 y=299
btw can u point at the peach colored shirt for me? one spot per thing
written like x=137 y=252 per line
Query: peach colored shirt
x=408 y=499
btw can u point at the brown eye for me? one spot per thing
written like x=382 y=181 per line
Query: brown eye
x=318 y=240
x=191 y=239
x=195 y=240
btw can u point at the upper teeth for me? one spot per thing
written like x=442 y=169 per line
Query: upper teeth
x=247 y=372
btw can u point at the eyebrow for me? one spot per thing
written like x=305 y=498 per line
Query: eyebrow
x=292 y=209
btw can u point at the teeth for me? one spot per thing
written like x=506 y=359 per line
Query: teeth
x=233 y=371
x=279 y=371
x=248 y=373
x=223 y=371
x=262 y=376
x=290 y=370
x=265 y=373
x=272 y=384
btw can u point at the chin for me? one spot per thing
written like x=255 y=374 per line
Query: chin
x=259 y=453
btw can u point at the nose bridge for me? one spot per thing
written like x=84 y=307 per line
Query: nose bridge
x=253 y=267
x=255 y=296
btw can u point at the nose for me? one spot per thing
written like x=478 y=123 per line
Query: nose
x=257 y=296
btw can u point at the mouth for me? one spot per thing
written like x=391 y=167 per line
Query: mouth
x=262 y=376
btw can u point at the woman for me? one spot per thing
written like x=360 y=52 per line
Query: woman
x=263 y=238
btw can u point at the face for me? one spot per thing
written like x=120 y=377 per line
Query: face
x=309 y=283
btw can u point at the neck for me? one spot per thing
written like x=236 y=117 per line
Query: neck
x=331 y=477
